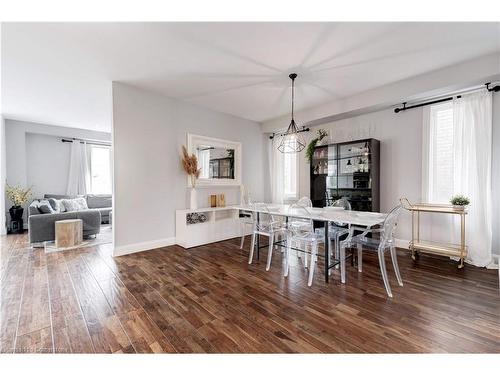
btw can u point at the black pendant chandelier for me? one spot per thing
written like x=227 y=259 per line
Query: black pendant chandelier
x=292 y=141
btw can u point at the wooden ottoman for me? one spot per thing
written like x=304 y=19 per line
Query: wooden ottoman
x=69 y=233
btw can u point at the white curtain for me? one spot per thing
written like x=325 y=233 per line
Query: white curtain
x=276 y=171
x=472 y=140
x=79 y=176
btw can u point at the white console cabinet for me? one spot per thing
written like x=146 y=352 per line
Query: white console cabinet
x=221 y=223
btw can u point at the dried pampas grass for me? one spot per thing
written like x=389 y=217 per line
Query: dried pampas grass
x=190 y=165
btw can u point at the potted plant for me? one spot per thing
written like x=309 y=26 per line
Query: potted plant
x=190 y=166
x=459 y=201
x=321 y=133
x=18 y=196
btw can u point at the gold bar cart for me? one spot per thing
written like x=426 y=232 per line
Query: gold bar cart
x=417 y=245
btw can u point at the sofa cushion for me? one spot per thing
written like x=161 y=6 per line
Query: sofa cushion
x=56 y=200
x=104 y=211
x=99 y=200
x=45 y=209
x=56 y=205
x=62 y=196
x=33 y=208
x=77 y=204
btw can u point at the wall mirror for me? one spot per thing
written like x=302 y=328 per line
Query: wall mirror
x=218 y=159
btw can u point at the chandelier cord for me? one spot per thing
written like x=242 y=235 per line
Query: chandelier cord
x=293 y=94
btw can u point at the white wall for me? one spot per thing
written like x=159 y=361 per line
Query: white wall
x=149 y=184
x=47 y=164
x=35 y=155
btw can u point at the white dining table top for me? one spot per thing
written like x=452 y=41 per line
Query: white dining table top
x=361 y=218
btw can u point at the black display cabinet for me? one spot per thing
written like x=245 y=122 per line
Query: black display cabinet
x=348 y=169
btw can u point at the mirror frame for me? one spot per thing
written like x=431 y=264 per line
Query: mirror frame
x=194 y=140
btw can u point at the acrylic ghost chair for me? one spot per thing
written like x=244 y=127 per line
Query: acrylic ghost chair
x=381 y=245
x=337 y=229
x=296 y=223
x=267 y=225
x=304 y=235
x=247 y=219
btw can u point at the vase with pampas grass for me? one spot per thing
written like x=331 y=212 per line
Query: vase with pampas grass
x=190 y=166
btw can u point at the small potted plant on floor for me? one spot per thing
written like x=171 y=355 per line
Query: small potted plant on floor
x=18 y=196
x=459 y=202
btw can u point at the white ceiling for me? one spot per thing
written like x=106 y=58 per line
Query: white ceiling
x=60 y=73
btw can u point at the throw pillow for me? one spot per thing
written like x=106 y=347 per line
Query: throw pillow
x=61 y=205
x=82 y=204
x=77 y=204
x=45 y=209
x=56 y=205
x=69 y=205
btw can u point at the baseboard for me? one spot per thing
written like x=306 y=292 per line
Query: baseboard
x=142 y=246
x=403 y=244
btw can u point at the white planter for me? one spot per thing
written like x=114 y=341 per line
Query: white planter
x=193 y=205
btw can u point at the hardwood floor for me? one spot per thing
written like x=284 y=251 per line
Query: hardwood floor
x=208 y=299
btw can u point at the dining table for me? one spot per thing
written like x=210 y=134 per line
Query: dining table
x=326 y=215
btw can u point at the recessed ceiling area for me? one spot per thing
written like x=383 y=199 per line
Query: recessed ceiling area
x=61 y=73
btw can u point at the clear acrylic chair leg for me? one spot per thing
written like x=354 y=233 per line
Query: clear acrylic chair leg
x=394 y=258
x=281 y=238
x=242 y=242
x=383 y=270
x=252 y=248
x=360 y=257
x=342 y=263
x=287 y=255
x=337 y=249
x=305 y=255
x=270 y=251
x=312 y=265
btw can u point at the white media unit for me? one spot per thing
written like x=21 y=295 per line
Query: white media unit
x=222 y=223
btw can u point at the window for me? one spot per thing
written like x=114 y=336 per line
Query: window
x=100 y=169
x=440 y=164
x=290 y=176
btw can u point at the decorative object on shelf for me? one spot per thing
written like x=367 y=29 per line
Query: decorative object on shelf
x=193 y=199
x=315 y=142
x=190 y=165
x=18 y=196
x=367 y=148
x=459 y=201
x=213 y=200
x=349 y=166
x=195 y=218
x=292 y=141
x=221 y=200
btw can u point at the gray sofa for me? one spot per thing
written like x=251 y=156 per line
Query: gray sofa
x=42 y=225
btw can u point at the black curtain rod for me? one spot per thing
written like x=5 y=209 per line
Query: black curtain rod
x=404 y=107
x=90 y=142
x=281 y=134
